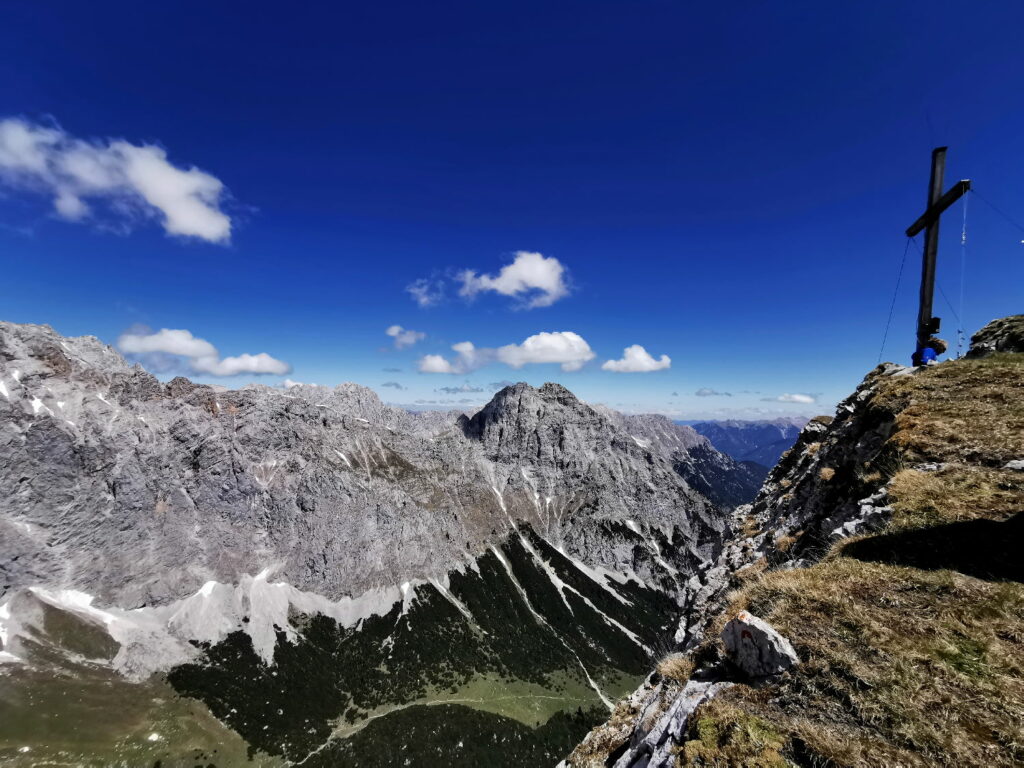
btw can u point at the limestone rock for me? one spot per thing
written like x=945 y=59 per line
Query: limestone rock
x=1003 y=335
x=139 y=492
x=756 y=648
x=659 y=748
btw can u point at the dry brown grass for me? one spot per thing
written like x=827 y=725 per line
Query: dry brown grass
x=676 y=666
x=750 y=527
x=957 y=493
x=751 y=571
x=784 y=543
x=963 y=410
x=901 y=666
x=826 y=473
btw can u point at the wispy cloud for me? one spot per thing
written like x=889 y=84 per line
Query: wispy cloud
x=708 y=392
x=462 y=389
x=636 y=359
x=132 y=181
x=426 y=292
x=404 y=337
x=393 y=385
x=391 y=370
x=201 y=355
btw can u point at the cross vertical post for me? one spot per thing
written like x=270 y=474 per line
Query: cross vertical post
x=927 y=325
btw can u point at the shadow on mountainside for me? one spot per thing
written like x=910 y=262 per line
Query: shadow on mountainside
x=985 y=549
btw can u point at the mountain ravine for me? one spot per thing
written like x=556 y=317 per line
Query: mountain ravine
x=197 y=576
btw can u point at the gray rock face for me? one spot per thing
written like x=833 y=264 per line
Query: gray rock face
x=754 y=646
x=1003 y=335
x=721 y=478
x=659 y=747
x=140 y=492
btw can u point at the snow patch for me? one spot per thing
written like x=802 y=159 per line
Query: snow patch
x=37 y=406
x=645 y=444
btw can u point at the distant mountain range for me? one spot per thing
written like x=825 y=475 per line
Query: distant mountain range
x=763 y=442
x=193 y=575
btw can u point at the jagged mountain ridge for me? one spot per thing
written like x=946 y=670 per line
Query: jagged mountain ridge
x=724 y=480
x=228 y=535
x=84 y=424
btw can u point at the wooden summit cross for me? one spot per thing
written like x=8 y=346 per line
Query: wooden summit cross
x=929 y=221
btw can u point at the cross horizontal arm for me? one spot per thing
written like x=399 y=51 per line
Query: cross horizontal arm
x=955 y=193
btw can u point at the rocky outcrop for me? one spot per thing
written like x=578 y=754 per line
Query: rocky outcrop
x=754 y=646
x=1003 y=335
x=659 y=747
x=816 y=493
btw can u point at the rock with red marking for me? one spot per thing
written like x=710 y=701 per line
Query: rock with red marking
x=755 y=647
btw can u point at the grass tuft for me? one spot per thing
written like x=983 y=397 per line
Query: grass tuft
x=676 y=666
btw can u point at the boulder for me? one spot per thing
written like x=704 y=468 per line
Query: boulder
x=754 y=646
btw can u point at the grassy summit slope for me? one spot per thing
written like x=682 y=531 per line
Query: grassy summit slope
x=912 y=638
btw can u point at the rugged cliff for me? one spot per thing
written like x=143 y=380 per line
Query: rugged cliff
x=885 y=546
x=308 y=575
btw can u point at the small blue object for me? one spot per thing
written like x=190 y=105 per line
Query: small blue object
x=928 y=356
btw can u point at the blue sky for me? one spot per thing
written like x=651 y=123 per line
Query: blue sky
x=726 y=186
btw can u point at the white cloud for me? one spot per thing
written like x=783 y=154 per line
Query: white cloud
x=565 y=348
x=538 y=279
x=435 y=364
x=131 y=179
x=404 y=337
x=426 y=292
x=795 y=397
x=467 y=358
x=245 y=363
x=202 y=356
x=636 y=359
x=708 y=392
x=171 y=342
